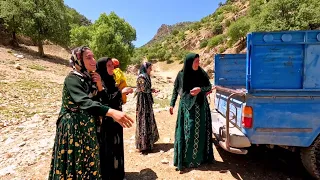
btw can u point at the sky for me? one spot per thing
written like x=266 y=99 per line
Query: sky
x=146 y=16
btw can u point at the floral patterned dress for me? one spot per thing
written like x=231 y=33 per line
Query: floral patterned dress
x=76 y=148
x=146 y=132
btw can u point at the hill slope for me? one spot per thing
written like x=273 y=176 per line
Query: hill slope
x=224 y=31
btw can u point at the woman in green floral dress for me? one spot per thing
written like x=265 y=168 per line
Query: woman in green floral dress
x=76 y=149
x=193 y=135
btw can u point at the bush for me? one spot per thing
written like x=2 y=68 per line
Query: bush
x=195 y=26
x=181 y=36
x=222 y=49
x=203 y=43
x=216 y=40
x=169 y=61
x=238 y=29
x=175 y=32
x=167 y=56
x=227 y=23
x=217 y=29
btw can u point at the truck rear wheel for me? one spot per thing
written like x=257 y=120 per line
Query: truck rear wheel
x=311 y=158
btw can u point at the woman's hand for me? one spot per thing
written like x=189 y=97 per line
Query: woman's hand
x=127 y=90
x=171 y=110
x=195 y=91
x=97 y=79
x=120 y=117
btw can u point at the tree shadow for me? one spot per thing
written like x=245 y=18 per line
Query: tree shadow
x=148 y=174
x=47 y=57
x=259 y=163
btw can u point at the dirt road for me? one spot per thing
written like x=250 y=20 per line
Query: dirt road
x=29 y=104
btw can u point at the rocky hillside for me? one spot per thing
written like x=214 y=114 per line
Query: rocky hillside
x=206 y=37
x=166 y=30
x=225 y=30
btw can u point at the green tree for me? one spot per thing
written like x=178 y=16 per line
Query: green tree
x=77 y=18
x=80 y=35
x=216 y=40
x=112 y=36
x=12 y=15
x=45 y=20
x=288 y=15
x=239 y=29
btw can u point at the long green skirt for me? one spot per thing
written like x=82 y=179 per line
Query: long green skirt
x=193 y=136
x=76 y=149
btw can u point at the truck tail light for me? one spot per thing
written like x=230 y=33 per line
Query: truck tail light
x=247 y=117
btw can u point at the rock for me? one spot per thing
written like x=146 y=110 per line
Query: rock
x=160 y=96
x=7 y=170
x=20 y=56
x=165 y=161
x=14 y=150
x=8 y=141
x=161 y=151
x=36 y=117
x=8 y=155
x=22 y=144
x=166 y=140
x=209 y=71
x=18 y=66
x=171 y=150
x=168 y=77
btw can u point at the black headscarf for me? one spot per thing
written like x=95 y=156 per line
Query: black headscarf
x=193 y=78
x=143 y=70
x=107 y=79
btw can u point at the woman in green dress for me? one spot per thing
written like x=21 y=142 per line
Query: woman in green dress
x=193 y=134
x=76 y=149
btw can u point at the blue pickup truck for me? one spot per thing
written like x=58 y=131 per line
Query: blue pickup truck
x=271 y=95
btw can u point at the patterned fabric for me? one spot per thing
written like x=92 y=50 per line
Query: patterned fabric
x=110 y=133
x=193 y=134
x=76 y=151
x=146 y=131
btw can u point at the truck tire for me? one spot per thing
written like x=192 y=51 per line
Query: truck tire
x=310 y=157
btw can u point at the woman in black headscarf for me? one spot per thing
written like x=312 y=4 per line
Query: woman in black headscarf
x=193 y=135
x=110 y=134
x=146 y=131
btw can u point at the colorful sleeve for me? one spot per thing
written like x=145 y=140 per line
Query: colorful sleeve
x=141 y=84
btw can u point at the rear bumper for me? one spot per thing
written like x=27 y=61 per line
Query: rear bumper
x=237 y=139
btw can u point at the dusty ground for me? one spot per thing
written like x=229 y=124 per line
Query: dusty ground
x=29 y=104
